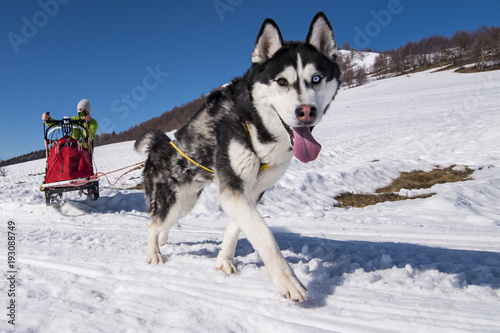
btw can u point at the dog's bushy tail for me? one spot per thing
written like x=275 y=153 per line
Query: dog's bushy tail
x=145 y=141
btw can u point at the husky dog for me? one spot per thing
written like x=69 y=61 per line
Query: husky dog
x=245 y=137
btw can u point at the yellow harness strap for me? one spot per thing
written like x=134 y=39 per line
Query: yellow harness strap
x=262 y=167
x=198 y=164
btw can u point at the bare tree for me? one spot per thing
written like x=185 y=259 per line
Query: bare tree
x=461 y=42
x=486 y=47
x=360 y=76
x=481 y=47
x=380 y=64
x=437 y=45
x=347 y=77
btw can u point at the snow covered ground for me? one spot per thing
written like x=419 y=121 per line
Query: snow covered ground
x=423 y=265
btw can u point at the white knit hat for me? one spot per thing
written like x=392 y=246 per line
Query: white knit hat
x=84 y=104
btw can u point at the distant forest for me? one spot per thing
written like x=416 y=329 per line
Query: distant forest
x=474 y=51
x=466 y=51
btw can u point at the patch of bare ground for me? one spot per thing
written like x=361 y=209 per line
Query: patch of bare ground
x=407 y=180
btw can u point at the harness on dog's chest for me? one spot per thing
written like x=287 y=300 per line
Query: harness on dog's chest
x=262 y=166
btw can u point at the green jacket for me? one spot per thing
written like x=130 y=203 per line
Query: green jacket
x=77 y=134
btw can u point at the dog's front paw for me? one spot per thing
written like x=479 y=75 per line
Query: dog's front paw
x=227 y=267
x=155 y=258
x=292 y=289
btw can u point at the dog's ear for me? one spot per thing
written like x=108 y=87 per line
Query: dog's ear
x=321 y=36
x=268 y=42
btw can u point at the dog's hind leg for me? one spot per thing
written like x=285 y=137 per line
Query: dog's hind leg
x=155 y=228
x=177 y=204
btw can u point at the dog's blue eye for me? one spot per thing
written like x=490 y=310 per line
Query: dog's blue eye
x=316 y=79
x=282 y=82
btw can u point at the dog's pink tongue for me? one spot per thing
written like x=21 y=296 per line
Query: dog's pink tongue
x=305 y=148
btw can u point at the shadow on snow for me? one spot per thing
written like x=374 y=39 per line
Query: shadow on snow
x=331 y=262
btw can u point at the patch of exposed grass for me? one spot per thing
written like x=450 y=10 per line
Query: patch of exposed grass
x=348 y=200
x=463 y=69
x=36 y=174
x=475 y=69
x=136 y=187
x=422 y=179
x=407 y=180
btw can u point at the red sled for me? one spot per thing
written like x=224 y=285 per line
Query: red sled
x=69 y=160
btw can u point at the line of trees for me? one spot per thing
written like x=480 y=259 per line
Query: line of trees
x=35 y=155
x=480 y=49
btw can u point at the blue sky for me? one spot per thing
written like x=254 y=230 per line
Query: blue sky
x=136 y=59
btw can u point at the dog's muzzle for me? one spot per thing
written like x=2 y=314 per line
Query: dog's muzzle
x=305 y=147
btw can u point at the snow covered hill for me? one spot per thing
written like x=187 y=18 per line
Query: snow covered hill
x=360 y=58
x=423 y=265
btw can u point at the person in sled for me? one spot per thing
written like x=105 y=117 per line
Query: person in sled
x=83 y=108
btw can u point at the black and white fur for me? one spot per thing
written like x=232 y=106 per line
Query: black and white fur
x=284 y=77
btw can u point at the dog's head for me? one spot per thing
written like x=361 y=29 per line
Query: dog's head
x=297 y=80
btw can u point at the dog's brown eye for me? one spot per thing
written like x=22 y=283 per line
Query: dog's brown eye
x=282 y=82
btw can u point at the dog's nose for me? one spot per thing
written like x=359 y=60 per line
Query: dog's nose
x=306 y=113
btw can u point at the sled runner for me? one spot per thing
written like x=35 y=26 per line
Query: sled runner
x=69 y=160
